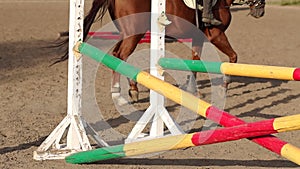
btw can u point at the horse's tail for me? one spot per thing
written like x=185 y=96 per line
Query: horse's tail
x=99 y=7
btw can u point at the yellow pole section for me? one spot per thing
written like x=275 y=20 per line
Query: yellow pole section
x=259 y=71
x=288 y=123
x=291 y=152
x=158 y=145
x=170 y=91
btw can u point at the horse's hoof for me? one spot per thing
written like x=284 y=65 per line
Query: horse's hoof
x=227 y=80
x=118 y=99
x=134 y=95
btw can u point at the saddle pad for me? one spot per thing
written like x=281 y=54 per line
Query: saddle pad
x=192 y=3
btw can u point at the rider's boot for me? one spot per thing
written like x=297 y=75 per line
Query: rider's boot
x=207 y=14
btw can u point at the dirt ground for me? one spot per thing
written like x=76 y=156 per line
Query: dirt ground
x=34 y=95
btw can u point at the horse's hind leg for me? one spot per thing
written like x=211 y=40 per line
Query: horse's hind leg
x=122 y=51
x=196 y=55
x=191 y=79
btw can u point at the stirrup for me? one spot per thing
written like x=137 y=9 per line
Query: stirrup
x=211 y=21
x=215 y=22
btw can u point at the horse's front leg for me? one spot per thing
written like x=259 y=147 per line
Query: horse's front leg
x=219 y=39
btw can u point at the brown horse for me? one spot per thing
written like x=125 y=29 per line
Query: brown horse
x=122 y=8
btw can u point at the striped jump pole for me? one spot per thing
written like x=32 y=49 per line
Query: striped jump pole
x=186 y=99
x=235 y=69
x=248 y=130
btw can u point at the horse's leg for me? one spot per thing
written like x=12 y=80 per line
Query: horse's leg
x=219 y=39
x=191 y=85
x=115 y=84
x=122 y=51
x=196 y=55
x=196 y=50
x=133 y=28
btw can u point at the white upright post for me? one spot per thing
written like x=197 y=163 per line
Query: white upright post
x=157 y=112
x=72 y=124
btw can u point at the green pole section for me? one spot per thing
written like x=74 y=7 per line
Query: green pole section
x=112 y=62
x=190 y=65
x=96 y=155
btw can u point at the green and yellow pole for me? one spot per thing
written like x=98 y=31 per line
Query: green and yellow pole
x=234 y=69
x=248 y=130
x=187 y=100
